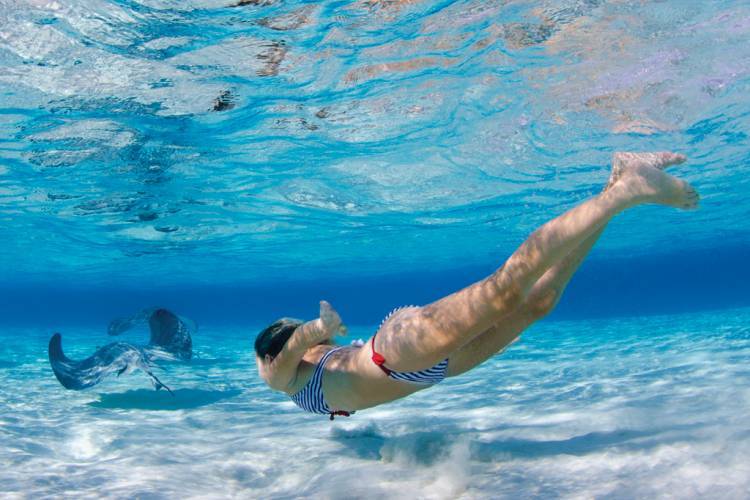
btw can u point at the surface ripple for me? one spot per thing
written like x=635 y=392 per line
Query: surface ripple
x=256 y=139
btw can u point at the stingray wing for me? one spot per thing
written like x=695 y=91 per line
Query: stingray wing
x=170 y=334
x=118 y=357
x=121 y=325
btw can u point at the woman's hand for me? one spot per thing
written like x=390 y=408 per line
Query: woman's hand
x=319 y=330
x=330 y=320
x=281 y=372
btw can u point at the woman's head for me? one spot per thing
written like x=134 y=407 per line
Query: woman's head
x=270 y=341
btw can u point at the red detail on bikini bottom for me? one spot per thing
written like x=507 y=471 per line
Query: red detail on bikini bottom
x=378 y=358
x=340 y=413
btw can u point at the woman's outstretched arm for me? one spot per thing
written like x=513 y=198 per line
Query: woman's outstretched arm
x=281 y=372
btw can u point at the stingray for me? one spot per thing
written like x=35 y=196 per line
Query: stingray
x=170 y=340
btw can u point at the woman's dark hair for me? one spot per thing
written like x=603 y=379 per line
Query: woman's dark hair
x=271 y=340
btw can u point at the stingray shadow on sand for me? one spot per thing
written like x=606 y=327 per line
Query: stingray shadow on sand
x=145 y=399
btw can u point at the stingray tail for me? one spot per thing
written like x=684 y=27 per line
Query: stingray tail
x=158 y=383
x=55 y=350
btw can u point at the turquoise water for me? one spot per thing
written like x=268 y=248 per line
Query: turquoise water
x=239 y=163
x=616 y=408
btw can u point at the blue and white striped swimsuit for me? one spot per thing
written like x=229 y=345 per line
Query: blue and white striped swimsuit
x=430 y=376
x=311 y=398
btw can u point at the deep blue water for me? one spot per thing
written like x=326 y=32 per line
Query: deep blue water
x=240 y=163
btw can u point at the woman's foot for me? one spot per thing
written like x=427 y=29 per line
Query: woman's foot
x=642 y=177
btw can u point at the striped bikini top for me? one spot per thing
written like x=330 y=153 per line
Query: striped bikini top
x=311 y=398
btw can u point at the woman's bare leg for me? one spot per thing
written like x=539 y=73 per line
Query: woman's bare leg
x=417 y=338
x=541 y=300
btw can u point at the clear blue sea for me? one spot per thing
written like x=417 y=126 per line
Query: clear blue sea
x=237 y=163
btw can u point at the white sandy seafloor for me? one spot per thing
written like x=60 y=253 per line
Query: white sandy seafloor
x=618 y=408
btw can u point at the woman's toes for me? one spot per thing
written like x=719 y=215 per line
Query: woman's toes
x=691 y=197
x=660 y=160
x=666 y=159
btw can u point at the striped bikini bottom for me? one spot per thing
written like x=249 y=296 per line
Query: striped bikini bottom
x=430 y=376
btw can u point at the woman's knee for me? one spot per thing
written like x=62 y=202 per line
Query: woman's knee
x=507 y=293
x=539 y=305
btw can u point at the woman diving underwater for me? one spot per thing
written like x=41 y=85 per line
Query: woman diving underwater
x=417 y=347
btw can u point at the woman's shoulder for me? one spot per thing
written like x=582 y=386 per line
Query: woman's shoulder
x=307 y=366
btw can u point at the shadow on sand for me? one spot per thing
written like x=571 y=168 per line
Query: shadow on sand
x=429 y=447
x=145 y=399
x=210 y=361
